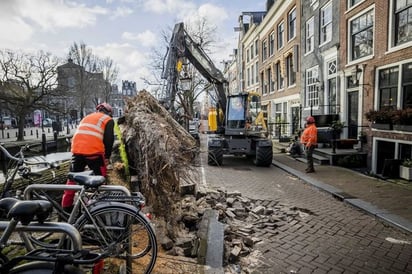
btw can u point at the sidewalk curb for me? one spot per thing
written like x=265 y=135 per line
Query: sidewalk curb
x=382 y=214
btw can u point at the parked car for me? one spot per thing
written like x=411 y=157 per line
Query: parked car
x=8 y=122
x=194 y=129
x=47 y=122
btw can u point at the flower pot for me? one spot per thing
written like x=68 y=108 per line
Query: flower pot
x=382 y=126
x=403 y=127
x=405 y=172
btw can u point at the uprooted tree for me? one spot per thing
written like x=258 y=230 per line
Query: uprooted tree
x=160 y=153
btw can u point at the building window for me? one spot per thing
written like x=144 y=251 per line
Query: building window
x=352 y=3
x=403 y=22
x=262 y=81
x=310 y=38
x=271 y=44
x=361 y=35
x=248 y=76
x=71 y=82
x=256 y=48
x=279 y=77
x=251 y=52
x=291 y=74
x=326 y=23
x=281 y=31
x=406 y=86
x=257 y=72
x=247 y=56
x=269 y=80
x=264 y=50
x=292 y=24
x=252 y=71
x=388 y=87
x=312 y=93
x=331 y=92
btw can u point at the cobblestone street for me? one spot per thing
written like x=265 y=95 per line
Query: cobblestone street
x=329 y=237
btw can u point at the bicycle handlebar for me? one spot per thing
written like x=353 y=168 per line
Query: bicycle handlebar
x=22 y=160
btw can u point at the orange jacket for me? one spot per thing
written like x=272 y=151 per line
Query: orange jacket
x=88 y=139
x=309 y=136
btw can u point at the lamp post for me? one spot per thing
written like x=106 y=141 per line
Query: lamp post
x=43 y=135
x=2 y=126
x=185 y=85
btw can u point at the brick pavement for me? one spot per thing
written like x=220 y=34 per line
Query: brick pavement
x=388 y=200
x=329 y=237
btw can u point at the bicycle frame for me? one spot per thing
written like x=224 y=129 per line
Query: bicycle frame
x=13 y=226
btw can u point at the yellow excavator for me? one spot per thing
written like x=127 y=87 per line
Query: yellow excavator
x=236 y=122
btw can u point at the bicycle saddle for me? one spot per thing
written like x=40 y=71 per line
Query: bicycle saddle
x=7 y=203
x=26 y=211
x=89 y=181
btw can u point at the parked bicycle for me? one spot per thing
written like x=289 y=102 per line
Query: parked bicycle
x=29 y=216
x=109 y=217
x=19 y=167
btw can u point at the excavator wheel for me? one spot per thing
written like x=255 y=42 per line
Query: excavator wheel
x=215 y=157
x=264 y=156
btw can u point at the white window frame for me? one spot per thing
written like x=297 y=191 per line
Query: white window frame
x=312 y=87
x=325 y=24
x=280 y=81
x=256 y=47
x=329 y=76
x=350 y=5
x=257 y=71
x=252 y=71
x=290 y=72
x=292 y=24
x=272 y=43
x=392 y=27
x=350 y=35
x=310 y=35
x=264 y=50
x=281 y=35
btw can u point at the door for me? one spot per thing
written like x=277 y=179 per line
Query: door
x=295 y=120
x=353 y=114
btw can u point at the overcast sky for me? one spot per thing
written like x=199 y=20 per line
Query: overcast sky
x=124 y=30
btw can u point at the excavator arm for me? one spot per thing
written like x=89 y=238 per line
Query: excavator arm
x=183 y=46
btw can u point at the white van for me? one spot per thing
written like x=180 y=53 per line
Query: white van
x=8 y=122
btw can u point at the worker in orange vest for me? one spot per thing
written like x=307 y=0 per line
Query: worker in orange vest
x=309 y=139
x=91 y=146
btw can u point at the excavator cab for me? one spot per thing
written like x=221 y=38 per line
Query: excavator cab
x=244 y=115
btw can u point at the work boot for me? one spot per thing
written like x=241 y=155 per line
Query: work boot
x=310 y=171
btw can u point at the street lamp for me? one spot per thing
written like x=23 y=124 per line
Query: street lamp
x=186 y=82
x=357 y=73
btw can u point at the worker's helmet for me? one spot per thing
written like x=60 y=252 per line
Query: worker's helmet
x=310 y=120
x=104 y=107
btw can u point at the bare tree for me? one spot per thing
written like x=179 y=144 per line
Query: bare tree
x=27 y=82
x=89 y=84
x=110 y=72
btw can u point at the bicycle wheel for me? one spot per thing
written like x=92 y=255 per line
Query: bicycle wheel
x=122 y=232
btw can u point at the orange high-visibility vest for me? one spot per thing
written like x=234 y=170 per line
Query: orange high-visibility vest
x=309 y=136
x=88 y=138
